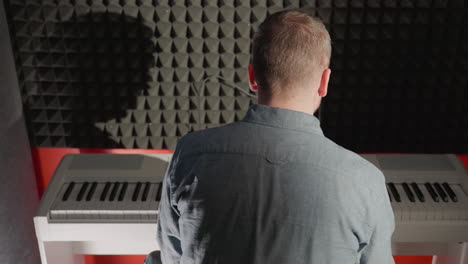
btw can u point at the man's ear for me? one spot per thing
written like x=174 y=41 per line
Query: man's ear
x=252 y=82
x=323 y=88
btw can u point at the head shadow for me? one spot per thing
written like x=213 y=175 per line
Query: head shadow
x=99 y=70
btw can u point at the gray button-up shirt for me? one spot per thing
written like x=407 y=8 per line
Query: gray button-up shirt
x=272 y=189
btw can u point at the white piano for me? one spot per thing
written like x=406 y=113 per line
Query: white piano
x=101 y=204
x=108 y=204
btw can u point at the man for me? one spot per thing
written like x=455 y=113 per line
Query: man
x=272 y=188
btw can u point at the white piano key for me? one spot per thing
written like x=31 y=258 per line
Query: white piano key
x=94 y=206
x=132 y=207
x=59 y=214
x=72 y=206
x=446 y=208
x=438 y=209
x=78 y=211
x=147 y=207
x=143 y=205
x=452 y=211
x=428 y=204
x=154 y=202
x=154 y=205
x=115 y=206
x=81 y=206
x=58 y=209
x=105 y=205
x=405 y=208
x=127 y=203
x=418 y=209
x=395 y=207
x=462 y=204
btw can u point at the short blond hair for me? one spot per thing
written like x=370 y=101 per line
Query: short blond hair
x=288 y=48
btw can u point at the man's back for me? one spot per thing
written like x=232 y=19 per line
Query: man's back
x=272 y=189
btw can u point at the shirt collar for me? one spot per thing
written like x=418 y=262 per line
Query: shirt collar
x=284 y=118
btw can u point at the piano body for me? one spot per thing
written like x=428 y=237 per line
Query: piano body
x=101 y=204
x=107 y=204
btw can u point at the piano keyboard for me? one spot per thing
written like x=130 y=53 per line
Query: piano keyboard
x=430 y=201
x=108 y=202
x=105 y=188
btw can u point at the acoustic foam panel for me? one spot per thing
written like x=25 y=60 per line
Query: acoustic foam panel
x=141 y=74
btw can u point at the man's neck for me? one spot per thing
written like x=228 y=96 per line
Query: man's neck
x=305 y=106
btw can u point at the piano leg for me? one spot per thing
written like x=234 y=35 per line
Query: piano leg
x=59 y=253
x=457 y=254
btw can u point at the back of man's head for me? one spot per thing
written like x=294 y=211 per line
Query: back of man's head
x=290 y=50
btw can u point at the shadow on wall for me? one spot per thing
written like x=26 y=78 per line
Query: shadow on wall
x=92 y=70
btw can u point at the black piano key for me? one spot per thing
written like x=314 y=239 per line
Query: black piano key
x=105 y=191
x=450 y=192
x=145 y=192
x=394 y=191
x=408 y=192
x=158 y=195
x=441 y=192
x=418 y=192
x=136 y=192
x=114 y=191
x=432 y=192
x=68 y=191
x=82 y=191
x=389 y=196
x=123 y=190
x=91 y=191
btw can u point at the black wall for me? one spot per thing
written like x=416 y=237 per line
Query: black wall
x=133 y=74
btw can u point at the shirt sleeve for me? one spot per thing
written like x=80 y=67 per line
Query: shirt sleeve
x=379 y=248
x=168 y=235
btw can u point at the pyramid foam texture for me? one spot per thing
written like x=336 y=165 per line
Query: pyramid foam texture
x=133 y=74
